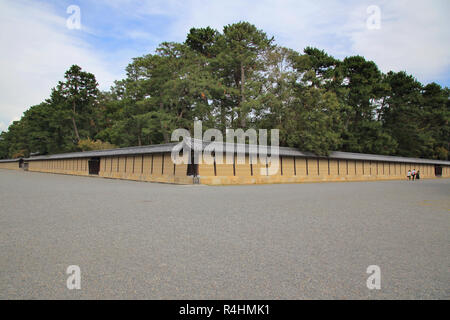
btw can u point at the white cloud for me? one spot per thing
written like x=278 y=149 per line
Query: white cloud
x=37 y=48
x=414 y=34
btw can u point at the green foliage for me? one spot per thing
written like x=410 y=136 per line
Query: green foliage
x=239 y=78
x=89 y=145
x=78 y=94
x=203 y=40
x=315 y=123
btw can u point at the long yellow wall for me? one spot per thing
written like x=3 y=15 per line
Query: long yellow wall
x=153 y=168
x=9 y=165
x=160 y=168
x=66 y=166
x=295 y=170
x=139 y=168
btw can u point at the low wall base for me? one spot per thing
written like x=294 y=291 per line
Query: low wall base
x=227 y=180
x=281 y=180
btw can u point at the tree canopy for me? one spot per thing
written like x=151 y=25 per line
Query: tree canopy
x=239 y=78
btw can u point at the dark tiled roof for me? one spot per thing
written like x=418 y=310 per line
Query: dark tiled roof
x=9 y=160
x=158 y=148
x=375 y=157
x=338 y=155
x=283 y=151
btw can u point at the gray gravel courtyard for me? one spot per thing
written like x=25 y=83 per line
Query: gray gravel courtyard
x=135 y=240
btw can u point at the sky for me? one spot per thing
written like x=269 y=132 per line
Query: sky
x=37 y=46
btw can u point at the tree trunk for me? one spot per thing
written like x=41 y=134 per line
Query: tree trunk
x=74 y=110
x=166 y=136
x=223 y=125
x=164 y=131
x=75 y=128
x=242 y=113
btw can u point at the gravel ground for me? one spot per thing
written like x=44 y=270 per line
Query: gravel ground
x=135 y=240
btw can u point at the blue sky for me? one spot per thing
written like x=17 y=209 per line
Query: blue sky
x=37 y=47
